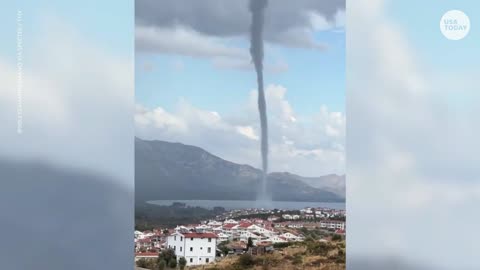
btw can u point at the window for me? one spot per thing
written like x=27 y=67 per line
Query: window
x=180 y=249
x=207 y=260
x=191 y=239
x=174 y=247
x=191 y=259
x=191 y=248
x=209 y=250
x=209 y=239
x=175 y=238
x=181 y=238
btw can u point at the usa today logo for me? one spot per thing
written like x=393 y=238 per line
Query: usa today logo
x=455 y=25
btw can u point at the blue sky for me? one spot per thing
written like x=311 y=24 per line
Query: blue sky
x=75 y=105
x=313 y=78
x=457 y=60
x=195 y=82
x=421 y=26
x=412 y=134
x=98 y=25
x=77 y=65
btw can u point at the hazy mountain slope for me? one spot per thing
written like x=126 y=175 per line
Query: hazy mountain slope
x=165 y=170
x=331 y=182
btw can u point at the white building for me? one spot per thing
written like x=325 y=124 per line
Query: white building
x=291 y=237
x=230 y=221
x=217 y=230
x=146 y=255
x=272 y=218
x=203 y=228
x=277 y=239
x=181 y=228
x=296 y=225
x=244 y=235
x=332 y=224
x=214 y=223
x=223 y=237
x=139 y=235
x=260 y=230
x=197 y=248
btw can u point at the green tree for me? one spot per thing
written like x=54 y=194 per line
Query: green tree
x=282 y=245
x=250 y=243
x=182 y=262
x=146 y=263
x=161 y=265
x=223 y=247
x=142 y=262
x=172 y=264
x=246 y=260
x=297 y=259
x=336 y=237
x=318 y=248
x=168 y=257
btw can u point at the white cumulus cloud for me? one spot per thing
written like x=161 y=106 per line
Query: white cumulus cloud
x=307 y=145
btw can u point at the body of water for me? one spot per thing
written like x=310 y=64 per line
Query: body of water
x=230 y=205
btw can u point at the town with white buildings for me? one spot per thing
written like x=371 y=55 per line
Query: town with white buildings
x=200 y=243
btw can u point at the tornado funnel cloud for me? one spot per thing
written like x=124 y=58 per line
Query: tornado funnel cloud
x=257 y=8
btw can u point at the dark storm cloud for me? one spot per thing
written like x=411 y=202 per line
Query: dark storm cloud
x=284 y=19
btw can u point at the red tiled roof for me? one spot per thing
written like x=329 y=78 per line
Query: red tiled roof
x=145 y=240
x=229 y=226
x=332 y=221
x=200 y=235
x=146 y=254
x=245 y=225
x=237 y=245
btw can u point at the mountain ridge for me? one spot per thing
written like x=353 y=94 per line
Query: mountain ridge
x=173 y=170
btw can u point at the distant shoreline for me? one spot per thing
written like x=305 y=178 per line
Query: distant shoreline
x=246 y=204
